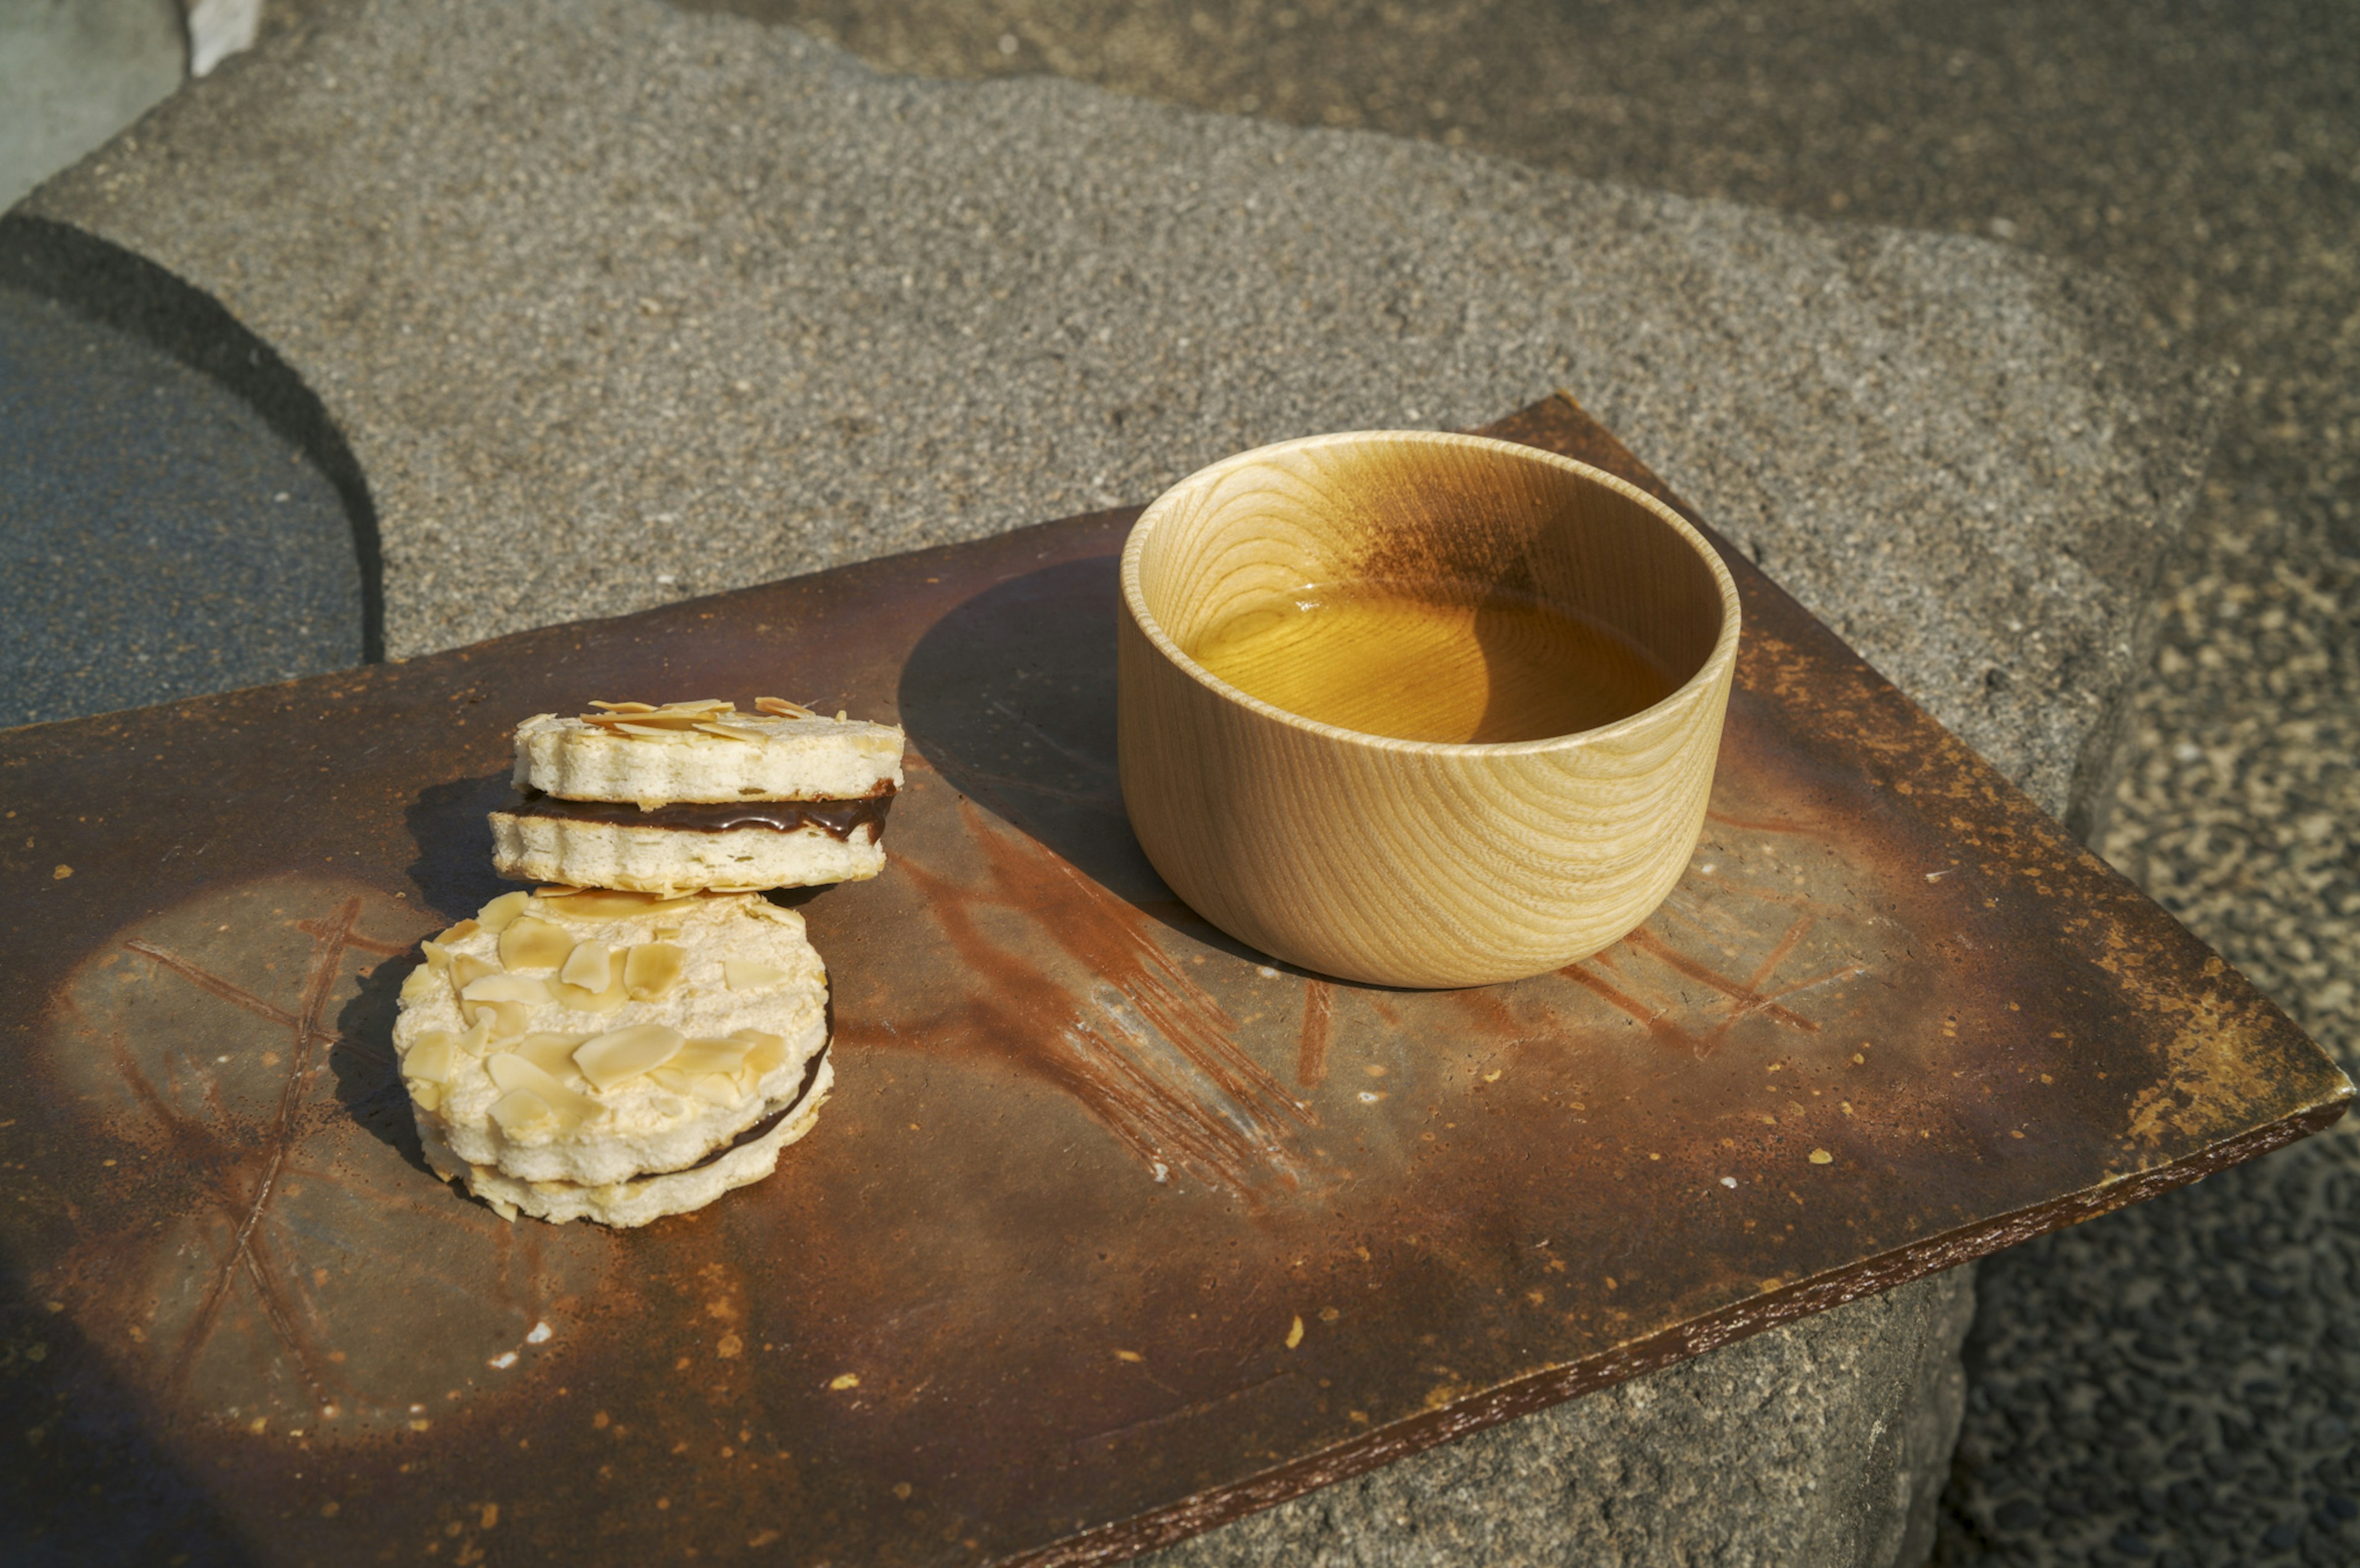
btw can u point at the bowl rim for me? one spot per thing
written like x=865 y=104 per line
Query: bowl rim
x=1712 y=673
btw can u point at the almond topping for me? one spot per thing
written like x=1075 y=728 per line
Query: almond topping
x=515 y=1073
x=503 y=1019
x=531 y=943
x=426 y=1097
x=714 y=1089
x=606 y=999
x=466 y=969
x=428 y=1057
x=521 y=988
x=711 y=1056
x=728 y=733
x=417 y=982
x=556 y=890
x=437 y=955
x=586 y=966
x=782 y=708
x=623 y=1054
x=647 y=730
x=750 y=975
x=464 y=929
x=553 y=1053
x=522 y=1111
x=495 y=915
x=765 y=1053
x=624 y=707
x=653 y=969
x=613 y=904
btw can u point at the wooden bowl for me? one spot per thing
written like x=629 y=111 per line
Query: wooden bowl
x=1347 y=848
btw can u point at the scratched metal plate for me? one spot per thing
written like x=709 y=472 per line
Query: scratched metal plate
x=1112 y=1231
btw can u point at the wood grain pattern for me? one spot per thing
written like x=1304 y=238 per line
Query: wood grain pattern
x=1408 y=862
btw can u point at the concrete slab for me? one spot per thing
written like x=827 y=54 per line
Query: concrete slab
x=614 y=304
x=158 y=539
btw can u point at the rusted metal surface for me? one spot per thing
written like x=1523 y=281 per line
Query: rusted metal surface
x=1113 y=1230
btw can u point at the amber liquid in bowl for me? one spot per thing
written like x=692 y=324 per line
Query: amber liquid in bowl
x=1434 y=663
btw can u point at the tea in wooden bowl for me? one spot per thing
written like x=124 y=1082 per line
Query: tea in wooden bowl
x=1420 y=709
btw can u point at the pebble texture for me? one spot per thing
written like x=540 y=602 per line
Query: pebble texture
x=157 y=540
x=741 y=307
x=1720 y=1460
x=614 y=304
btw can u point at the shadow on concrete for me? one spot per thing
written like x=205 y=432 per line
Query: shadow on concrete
x=112 y=286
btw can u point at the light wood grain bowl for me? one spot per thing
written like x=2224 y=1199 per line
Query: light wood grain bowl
x=1409 y=863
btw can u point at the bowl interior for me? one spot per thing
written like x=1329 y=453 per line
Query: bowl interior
x=1495 y=593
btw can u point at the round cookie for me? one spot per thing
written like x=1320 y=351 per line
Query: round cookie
x=596 y=1037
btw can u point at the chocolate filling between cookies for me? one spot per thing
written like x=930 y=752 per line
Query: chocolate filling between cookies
x=839 y=819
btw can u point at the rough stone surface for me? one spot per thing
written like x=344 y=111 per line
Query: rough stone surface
x=615 y=305
x=1720 y=1460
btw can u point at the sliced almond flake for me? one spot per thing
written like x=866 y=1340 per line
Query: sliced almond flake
x=673 y=1079
x=752 y=975
x=466 y=969
x=765 y=1053
x=464 y=929
x=624 y=707
x=556 y=890
x=533 y=944
x=502 y=1020
x=553 y=1053
x=438 y=957
x=615 y=904
x=474 y=1042
x=714 y=1089
x=429 y=1056
x=524 y=989
x=494 y=916
x=725 y=733
x=653 y=969
x=416 y=983
x=522 y=1111
x=587 y=965
x=513 y=1072
x=426 y=1097
x=620 y=1055
x=700 y=1056
x=609 y=998
x=783 y=708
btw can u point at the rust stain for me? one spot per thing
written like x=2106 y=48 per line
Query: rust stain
x=1311 y=1048
x=1099 y=1043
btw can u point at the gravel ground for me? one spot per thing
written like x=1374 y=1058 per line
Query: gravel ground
x=2175 y=1383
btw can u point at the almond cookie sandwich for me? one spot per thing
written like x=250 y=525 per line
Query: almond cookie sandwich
x=611 y=1055
x=697 y=795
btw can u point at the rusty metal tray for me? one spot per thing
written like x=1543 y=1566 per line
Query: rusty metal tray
x=1113 y=1230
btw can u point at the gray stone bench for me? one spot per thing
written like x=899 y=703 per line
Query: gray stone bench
x=613 y=304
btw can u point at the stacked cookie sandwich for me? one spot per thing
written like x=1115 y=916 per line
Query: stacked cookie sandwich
x=648 y=1032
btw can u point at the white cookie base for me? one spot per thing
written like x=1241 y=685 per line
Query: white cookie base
x=677 y=860
x=799 y=759
x=642 y=1199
